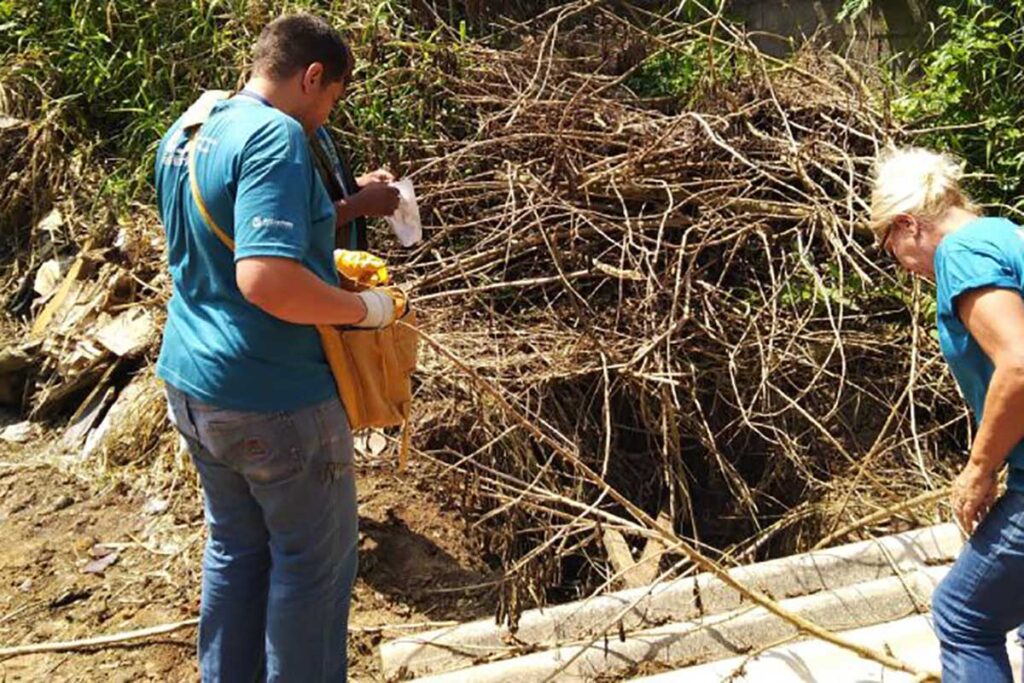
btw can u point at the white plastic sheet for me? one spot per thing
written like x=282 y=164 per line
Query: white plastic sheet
x=405 y=222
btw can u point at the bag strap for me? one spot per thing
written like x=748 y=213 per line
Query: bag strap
x=340 y=183
x=197 y=195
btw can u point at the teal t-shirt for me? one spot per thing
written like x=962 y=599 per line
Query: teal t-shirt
x=258 y=181
x=987 y=252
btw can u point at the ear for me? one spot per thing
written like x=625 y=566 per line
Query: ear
x=907 y=223
x=313 y=77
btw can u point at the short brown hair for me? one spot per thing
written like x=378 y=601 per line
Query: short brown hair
x=294 y=41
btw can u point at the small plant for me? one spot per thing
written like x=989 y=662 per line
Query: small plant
x=852 y=9
x=679 y=73
x=969 y=92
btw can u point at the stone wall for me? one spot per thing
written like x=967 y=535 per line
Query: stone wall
x=778 y=25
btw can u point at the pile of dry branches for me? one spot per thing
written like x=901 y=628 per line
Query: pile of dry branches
x=680 y=291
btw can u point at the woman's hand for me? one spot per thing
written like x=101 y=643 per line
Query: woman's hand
x=974 y=492
x=378 y=176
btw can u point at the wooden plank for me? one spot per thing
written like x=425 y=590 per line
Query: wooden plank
x=52 y=399
x=54 y=304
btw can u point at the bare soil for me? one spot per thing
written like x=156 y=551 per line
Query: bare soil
x=416 y=565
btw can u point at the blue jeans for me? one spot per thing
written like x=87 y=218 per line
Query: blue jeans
x=280 y=560
x=982 y=598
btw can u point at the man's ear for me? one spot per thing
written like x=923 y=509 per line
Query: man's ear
x=313 y=78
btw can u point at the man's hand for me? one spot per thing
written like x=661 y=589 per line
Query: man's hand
x=378 y=176
x=974 y=492
x=376 y=199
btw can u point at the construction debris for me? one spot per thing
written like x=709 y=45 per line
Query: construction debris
x=48 y=277
x=706 y=616
x=20 y=432
x=128 y=333
x=15 y=361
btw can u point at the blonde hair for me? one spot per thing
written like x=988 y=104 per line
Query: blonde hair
x=918 y=182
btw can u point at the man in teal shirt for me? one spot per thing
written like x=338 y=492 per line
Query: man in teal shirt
x=248 y=385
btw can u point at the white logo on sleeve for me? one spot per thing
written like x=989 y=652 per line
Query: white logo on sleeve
x=260 y=222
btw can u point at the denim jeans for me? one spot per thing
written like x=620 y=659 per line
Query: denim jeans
x=280 y=560
x=982 y=598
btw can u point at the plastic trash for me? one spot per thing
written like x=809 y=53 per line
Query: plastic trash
x=405 y=222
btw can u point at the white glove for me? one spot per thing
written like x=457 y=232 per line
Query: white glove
x=380 y=309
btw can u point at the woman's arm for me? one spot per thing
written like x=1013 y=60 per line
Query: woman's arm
x=995 y=318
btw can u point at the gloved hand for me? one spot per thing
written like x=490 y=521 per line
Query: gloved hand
x=384 y=305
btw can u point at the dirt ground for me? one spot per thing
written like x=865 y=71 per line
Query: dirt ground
x=57 y=517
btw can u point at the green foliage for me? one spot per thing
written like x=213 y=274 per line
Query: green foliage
x=678 y=73
x=125 y=65
x=123 y=70
x=397 y=98
x=852 y=9
x=971 y=87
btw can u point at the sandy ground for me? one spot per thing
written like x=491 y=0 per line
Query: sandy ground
x=58 y=517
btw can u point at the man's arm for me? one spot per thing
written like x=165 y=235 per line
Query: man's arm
x=285 y=289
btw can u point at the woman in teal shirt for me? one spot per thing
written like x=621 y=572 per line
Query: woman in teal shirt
x=924 y=220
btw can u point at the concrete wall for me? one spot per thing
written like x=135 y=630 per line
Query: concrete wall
x=889 y=26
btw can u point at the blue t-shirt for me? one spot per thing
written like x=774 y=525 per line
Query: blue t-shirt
x=258 y=181
x=987 y=252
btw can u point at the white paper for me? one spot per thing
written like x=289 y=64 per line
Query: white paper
x=405 y=222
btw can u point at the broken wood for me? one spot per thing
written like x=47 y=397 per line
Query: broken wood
x=52 y=399
x=619 y=555
x=630 y=573
x=128 y=333
x=87 y=415
x=14 y=364
x=648 y=566
x=17 y=358
x=54 y=304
